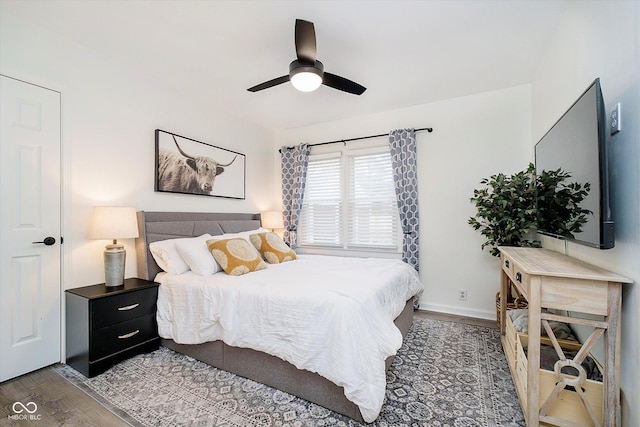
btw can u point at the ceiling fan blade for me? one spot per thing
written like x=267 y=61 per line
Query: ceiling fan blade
x=269 y=84
x=305 y=41
x=342 y=84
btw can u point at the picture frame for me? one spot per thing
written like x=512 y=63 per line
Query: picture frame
x=187 y=166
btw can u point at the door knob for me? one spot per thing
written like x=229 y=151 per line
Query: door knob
x=47 y=241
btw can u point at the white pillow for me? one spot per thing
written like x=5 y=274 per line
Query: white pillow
x=167 y=257
x=243 y=234
x=246 y=234
x=197 y=256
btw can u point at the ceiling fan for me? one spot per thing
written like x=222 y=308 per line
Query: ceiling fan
x=307 y=73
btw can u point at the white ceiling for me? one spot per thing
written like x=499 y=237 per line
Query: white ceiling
x=405 y=52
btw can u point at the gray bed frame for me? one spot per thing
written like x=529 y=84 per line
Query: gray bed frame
x=248 y=363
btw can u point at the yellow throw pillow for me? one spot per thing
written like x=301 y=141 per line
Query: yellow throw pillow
x=236 y=256
x=272 y=248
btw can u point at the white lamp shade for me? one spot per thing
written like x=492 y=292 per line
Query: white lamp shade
x=272 y=219
x=113 y=222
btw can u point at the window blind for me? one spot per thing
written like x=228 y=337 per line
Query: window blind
x=321 y=217
x=373 y=210
x=350 y=202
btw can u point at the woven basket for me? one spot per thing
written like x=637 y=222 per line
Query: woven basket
x=512 y=302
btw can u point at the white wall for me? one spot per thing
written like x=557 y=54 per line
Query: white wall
x=602 y=39
x=473 y=137
x=109 y=117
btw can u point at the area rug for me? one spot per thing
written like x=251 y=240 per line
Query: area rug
x=445 y=374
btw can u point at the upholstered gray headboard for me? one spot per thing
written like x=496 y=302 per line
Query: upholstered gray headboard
x=155 y=226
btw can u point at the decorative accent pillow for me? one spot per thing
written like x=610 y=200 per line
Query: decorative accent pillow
x=236 y=256
x=272 y=248
x=197 y=256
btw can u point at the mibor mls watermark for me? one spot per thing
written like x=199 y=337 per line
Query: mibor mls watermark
x=25 y=412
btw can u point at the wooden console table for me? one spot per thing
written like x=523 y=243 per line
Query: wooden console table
x=557 y=282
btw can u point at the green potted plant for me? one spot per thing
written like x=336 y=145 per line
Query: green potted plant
x=507 y=212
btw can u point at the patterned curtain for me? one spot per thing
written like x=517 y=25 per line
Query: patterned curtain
x=402 y=144
x=294 y=177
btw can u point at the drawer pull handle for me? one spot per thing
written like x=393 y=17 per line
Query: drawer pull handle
x=129 y=335
x=519 y=277
x=506 y=263
x=128 y=307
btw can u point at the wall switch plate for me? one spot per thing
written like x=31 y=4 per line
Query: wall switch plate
x=462 y=294
x=616 y=120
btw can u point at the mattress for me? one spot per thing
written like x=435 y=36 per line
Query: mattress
x=328 y=315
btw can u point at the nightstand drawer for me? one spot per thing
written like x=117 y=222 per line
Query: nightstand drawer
x=107 y=341
x=120 y=308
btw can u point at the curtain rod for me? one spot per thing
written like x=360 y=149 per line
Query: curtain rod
x=357 y=139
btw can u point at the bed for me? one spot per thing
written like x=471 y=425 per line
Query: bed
x=260 y=362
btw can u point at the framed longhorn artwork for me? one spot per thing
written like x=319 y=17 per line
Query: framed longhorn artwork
x=187 y=166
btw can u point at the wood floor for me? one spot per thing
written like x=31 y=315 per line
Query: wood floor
x=62 y=404
x=59 y=402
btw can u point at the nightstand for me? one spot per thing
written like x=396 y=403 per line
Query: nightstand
x=106 y=326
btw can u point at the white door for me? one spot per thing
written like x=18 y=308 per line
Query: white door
x=30 y=291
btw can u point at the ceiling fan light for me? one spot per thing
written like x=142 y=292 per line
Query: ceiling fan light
x=306 y=81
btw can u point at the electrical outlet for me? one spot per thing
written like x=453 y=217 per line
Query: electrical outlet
x=462 y=294
x=616 y=119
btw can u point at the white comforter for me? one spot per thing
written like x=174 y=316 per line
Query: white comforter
x=329 y=315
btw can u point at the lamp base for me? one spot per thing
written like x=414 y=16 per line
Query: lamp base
x=114 y=260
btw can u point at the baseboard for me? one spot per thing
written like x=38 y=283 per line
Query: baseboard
x=449 y=309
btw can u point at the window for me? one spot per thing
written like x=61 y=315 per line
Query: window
x=350 y=202
x=321 y=219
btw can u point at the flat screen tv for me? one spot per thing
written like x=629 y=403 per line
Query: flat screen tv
x=577 y=144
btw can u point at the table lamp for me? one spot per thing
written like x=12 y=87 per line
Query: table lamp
x=272 y=220
x=113 y=223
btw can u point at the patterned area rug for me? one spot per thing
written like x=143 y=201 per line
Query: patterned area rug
x=445 y=374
